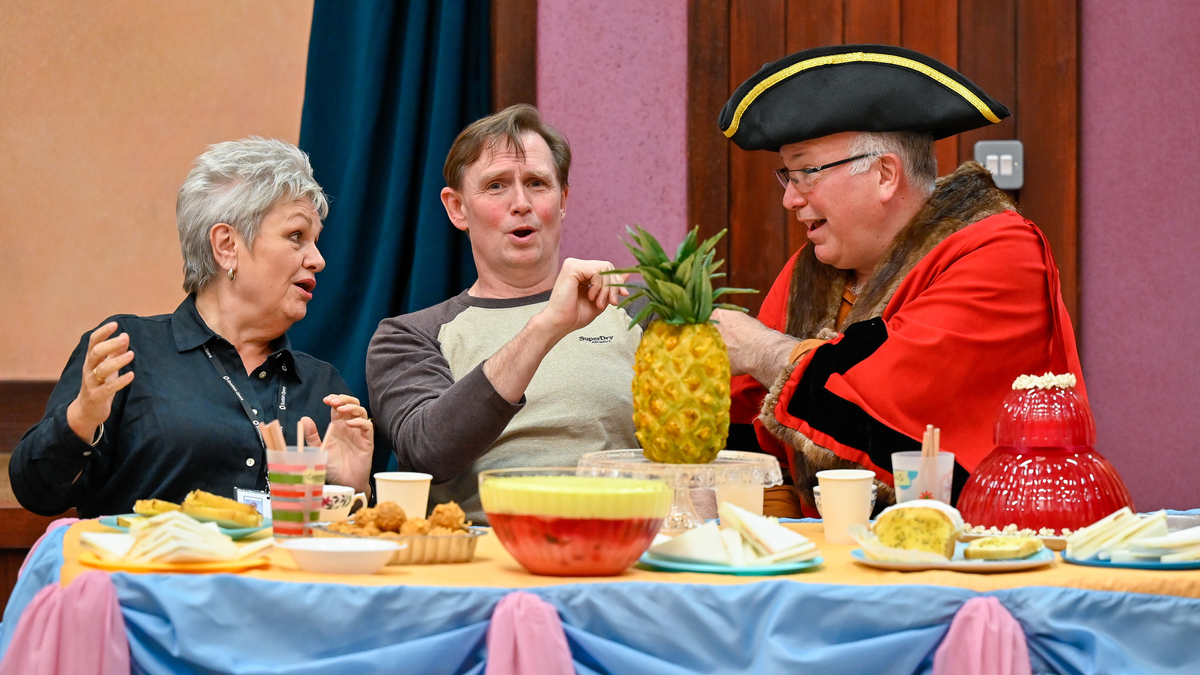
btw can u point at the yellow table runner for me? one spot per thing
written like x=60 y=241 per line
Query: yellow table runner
x=493 y=567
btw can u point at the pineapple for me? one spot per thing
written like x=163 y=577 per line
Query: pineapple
x=681 y=370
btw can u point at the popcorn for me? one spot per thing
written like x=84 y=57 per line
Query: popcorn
x=1047 y=381
x=1012 y=530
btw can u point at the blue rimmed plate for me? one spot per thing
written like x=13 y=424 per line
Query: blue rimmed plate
x=234 y=533
x=653 y=562
x=959 y=563
x=1149 y=565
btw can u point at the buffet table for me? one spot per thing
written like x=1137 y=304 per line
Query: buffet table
x=838 y=618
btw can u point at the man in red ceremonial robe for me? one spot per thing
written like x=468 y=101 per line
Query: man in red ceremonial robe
x=916 y=301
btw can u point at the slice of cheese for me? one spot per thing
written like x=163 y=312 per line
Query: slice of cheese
x=765 y=535
x=701 y=545
x=1183 y=555
x=175 y=537
x=1154 y=525
x=254 y=547
x=107 y=545
x=1109 y=535
x=1174 y=541
x=1083 y=539
x=795 y=554
x=735 y=546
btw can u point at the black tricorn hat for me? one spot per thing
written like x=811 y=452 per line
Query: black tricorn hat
x=827 y=90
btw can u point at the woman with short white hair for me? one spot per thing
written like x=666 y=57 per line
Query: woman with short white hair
x=186 y=412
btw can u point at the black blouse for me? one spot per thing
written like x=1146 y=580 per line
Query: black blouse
x=177 y=427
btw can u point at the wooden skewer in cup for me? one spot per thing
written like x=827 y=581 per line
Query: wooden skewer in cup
x=930 y=446
x=273 y=436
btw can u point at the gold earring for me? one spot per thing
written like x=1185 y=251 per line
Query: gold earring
x=231 y=274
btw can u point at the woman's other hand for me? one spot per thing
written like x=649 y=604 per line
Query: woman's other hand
x=101 y=381
x=350 y=441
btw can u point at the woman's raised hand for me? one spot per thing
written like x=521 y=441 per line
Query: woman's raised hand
x=101 y=381
x=349 y=439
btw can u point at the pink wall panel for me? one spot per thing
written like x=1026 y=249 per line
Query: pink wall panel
x=612 y=76
x=1140 y=231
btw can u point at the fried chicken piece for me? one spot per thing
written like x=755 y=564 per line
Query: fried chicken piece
x=342 y=527
x=389 y=517
x=365 y=516
x=415 y=526
x=371 y=530
x=445 y=531
x=449 y=516
x=390 y=535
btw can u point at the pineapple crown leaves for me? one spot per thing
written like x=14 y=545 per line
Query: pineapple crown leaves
x=679 y=291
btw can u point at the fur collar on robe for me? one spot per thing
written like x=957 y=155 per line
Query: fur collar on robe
x=815 y=294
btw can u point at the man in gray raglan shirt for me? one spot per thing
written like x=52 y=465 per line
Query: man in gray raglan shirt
x=530 y=366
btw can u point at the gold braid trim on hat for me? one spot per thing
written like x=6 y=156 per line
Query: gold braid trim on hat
x=834 y=59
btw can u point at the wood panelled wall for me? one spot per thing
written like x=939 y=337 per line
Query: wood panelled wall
x=1025 y=53
x=514 y=53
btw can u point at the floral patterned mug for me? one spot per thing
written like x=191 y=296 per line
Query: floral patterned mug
x=337 y=501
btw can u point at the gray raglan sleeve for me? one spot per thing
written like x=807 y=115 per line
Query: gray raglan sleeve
x=437 y=425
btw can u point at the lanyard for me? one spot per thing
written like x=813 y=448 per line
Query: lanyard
x=246 y=406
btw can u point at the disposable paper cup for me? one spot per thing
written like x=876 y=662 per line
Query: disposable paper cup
x=749 y=497
x=409 y=490
x=845 y=501
x=297 y=486
x=920 y=478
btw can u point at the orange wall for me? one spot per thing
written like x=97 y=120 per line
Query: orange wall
x=104 y=107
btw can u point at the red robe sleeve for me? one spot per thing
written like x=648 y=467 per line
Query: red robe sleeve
x=983 y=307
x=748 y=393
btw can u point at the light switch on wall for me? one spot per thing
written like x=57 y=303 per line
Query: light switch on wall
x=1006 y=161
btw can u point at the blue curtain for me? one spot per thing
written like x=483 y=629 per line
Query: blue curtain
x=389 y=86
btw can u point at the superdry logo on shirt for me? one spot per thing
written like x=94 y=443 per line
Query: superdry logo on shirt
x=598 y=340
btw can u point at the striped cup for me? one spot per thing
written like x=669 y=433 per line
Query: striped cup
x=297 y=484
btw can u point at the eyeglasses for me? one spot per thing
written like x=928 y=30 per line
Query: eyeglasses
x=802 y=179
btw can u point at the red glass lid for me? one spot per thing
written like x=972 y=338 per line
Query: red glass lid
x=1045 y=411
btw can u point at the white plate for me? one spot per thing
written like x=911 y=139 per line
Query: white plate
x=959 y=563
x=1052 y=543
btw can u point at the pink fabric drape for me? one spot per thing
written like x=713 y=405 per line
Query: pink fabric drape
x=526 y=638
x=984 y=639
x=54 y=525
x=77 y=630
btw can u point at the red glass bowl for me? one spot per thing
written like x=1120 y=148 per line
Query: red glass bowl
x=561 y=522
x=1064 y=487
x=574 y=547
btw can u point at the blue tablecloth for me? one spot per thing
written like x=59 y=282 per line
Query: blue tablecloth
x=234 y=624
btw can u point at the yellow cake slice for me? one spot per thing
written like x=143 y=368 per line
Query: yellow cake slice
x=1002 y=548
x=920 y=525
x=205 y=506
x=153 y=507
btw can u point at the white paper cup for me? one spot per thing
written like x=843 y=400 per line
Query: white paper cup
x=408 y=489
x=845 y=501
x=338 y=500
x=919 y=478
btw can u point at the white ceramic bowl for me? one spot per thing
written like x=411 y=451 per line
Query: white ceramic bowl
x=340 y=556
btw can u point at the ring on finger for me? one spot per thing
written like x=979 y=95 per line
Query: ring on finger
x=96 y=374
